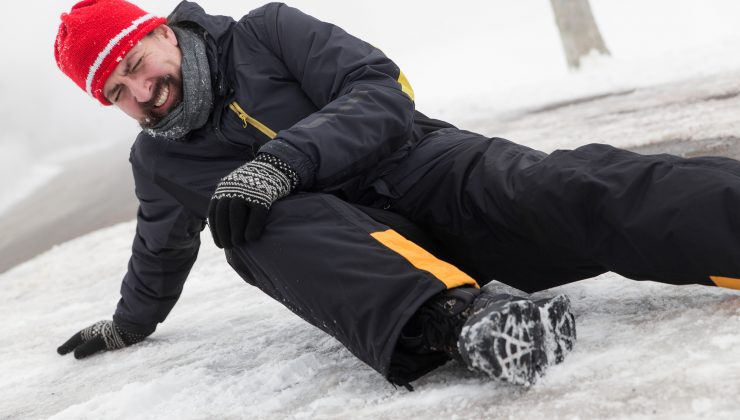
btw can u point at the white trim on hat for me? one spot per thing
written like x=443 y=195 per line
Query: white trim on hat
x=112 y=43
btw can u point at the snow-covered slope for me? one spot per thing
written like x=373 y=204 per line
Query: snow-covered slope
x=645 y=350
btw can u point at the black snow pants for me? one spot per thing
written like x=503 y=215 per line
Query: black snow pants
x=349 y=275
x=491 y=209
x=534 y=221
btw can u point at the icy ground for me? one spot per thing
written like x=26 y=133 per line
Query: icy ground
x=645 y=350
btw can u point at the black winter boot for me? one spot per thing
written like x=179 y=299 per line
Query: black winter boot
x=436 y=325
x=514 y=339
x=505 y=339
x=510 y=338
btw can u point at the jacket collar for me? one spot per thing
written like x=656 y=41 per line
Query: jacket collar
x=216 y=26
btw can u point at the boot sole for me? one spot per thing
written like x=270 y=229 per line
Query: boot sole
x=506 y=343
x=560 y=327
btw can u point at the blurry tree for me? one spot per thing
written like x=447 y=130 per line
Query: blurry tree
x=578 y=30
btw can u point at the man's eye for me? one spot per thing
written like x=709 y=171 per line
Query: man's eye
x=136 y=66
x=115 y=95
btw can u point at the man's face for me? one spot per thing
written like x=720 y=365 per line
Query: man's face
x=147 y=83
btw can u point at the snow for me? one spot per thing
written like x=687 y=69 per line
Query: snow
x=644 y=350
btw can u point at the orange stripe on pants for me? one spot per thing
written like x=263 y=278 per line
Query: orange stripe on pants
x=447 y=273
x=727 y=282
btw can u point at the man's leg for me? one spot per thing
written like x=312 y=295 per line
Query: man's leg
x=510 y=338
x=389 y=301
x=646 y=217
x=535 y=221
x=465 y=190
x=348 y=275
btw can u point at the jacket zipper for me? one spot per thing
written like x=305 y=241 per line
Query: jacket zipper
x=247 y=119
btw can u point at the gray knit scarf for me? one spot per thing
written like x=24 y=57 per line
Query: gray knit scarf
x=197 y=95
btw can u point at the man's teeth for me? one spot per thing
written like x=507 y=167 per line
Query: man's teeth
x=163 y=96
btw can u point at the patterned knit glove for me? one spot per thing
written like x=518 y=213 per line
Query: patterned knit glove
x=102 y=335
x=239 y=207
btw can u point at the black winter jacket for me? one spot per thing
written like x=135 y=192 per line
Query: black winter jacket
x=333 y=107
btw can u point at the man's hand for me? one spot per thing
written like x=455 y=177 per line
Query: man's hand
x=239 y=207
x=102 y=335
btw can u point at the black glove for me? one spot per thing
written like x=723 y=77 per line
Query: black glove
x=239 y=207
x=102 y=335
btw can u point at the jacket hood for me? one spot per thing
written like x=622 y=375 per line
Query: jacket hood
x=189 y=12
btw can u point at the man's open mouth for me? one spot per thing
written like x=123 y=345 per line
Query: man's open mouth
x=164 y=93
x=165 y=99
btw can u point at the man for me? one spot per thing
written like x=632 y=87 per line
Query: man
x=301 y=146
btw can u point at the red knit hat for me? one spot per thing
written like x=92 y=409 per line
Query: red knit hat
x=95 y=36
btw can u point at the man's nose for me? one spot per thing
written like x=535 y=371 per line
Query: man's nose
x=141 y=89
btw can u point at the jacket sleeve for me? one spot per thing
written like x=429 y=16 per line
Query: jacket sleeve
x=164 y=250
x=365 y=104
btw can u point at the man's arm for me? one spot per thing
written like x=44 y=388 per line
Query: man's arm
x=365 y=113
x=164 y=249
x=366 y=106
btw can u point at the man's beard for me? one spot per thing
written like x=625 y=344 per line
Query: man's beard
x=153 y=117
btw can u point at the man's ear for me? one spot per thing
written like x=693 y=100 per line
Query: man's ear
x=166 y=33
